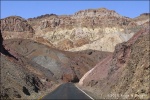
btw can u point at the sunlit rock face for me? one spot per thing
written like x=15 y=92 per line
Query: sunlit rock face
x=95 y=25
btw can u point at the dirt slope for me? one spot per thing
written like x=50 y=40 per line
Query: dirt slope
x=22 y=78
x=65 y=66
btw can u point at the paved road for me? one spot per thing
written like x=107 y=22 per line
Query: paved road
x=66 y=91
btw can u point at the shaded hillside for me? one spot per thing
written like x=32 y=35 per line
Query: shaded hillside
x=66 y=66
x=125 y=74
x=22 y=78
x=2 y=49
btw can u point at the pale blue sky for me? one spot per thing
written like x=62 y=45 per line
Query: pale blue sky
x=30 y=9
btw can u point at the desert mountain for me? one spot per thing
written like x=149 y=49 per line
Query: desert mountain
x=86 y=29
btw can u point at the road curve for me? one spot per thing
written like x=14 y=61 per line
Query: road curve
x=66 y=91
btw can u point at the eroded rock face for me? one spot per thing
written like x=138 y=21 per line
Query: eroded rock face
x=16 y=27
x=91 y=24
x=143 y=18
x=97 y=26
x=125 y=73
x=96 y=12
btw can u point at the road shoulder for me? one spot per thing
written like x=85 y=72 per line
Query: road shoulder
x=85 y=91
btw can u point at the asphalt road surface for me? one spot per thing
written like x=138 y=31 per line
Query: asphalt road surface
x=67 y=91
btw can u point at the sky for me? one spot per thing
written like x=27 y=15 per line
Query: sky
x=30 y=9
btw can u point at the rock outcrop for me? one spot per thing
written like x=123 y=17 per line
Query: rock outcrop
x=143 y=18
x=96 y=13
x=16 y=27
x=125 y=74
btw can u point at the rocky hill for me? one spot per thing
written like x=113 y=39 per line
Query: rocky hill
x=79 y=31
x=16 y=27
x=22 y=78
x=125 y=74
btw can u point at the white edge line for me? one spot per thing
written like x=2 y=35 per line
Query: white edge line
x=85 y=93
